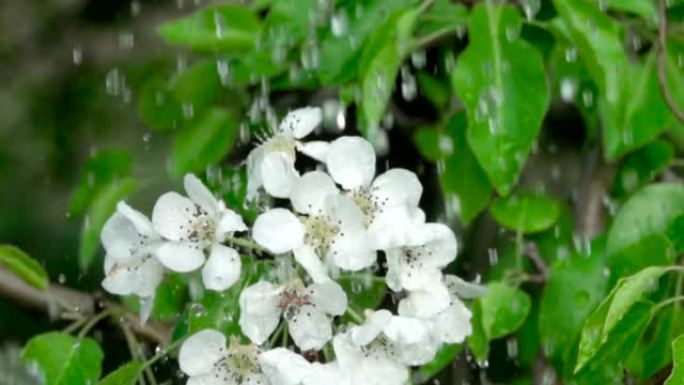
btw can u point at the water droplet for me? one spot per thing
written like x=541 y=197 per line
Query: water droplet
x=571 y=54
x=223 y=69
x=221 y=28
x=339 y=23
x=419 y=58
x=135 y=8
x=587 y=98
x=493 y=256
x=113 y=82
x=531 y=7
x=568 y=89
x=61 y=278
x=126 y=40
x=511 y=33
x=77 y=55
x=512 y=347
x=409 y=89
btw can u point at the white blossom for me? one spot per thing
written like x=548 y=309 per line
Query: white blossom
x=329 y=228
x=307 y=310
x=195 y=226
x=271 y=164
x=420 y=262
x=205 y=358
x=131 y=244
x=389 y=202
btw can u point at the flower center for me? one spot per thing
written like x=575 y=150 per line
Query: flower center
x=369 y=204
x=320 y=232
x=239 y=364
x=202 y=227
x=291 y=301
x=281 y=143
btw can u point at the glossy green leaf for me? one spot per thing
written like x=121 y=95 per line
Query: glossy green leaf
x=623 y=296
x=434 y=89
x=653 y=352
x=651 y=250
x=158 y=107
x=575 y=286
x=677 y=375
x=444 y=357
x=464 y=183
x=23 y=266
x=125 y=375
x=526 y=212
x=504 y=309
x=650 y=210
x=642 y=166
x=61 y=359
x=101 y=169
x=227 y=28
x=101 y=208
x=198 y=85
x=443 y=15
x=477 y=341
x=502 y=83
x=645 y=8
x=382 y=55
x=206 y=140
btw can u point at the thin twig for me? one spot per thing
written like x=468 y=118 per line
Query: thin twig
x=536 y=258
x=59 y=300
x=662 y=62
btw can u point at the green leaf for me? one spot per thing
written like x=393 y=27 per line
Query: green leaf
x=642 y=166
x=435 y=90
x=101 y=208
x=598 y=327
x=443 y=15
x=641 y=114
x=464 y=183
x=526 y=212
x=24 y=266
x=158 y=107
x=477 y=341
x=675 y=232
x=575 y=286
x=382 y=55
x=100 y=170
x=206 y=140
x=124 y=375
x=227 y=28
x=644 y=8
x=652 y=250
x=649 y=211
x=198 y=85
x=502 y=83
x=653 y=352
x=504 y=309
x=62 y=359
x=677 y=375
x=364 y=290
x=444 y=357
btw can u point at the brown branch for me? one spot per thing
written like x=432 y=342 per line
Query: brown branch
x=61 y=302
x=662 y=62
x=589 y=209
x=535 y=256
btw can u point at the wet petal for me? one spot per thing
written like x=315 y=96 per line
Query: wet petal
x=173 y=216
x=254 y=182
x=278 y=174
x=181 y=257
x=328 y=296
x=317 y=150
x=201 y=351
x=300 y=122
x=351 y=162
x=139 y=220
x=119 y=237
x=397 y=186
x=375 y=323
x=311 y=262
x=259 y=311
x=222 y=269
x=310 y=191
x=453 y=324
x=230 y=222
x=199 y=193
x=284 y=367
x=278 y=230
x=425 y=303
x=310 y=328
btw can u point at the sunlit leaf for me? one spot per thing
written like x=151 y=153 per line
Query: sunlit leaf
x=23 y=266
x=62 y=359
x=502 y=83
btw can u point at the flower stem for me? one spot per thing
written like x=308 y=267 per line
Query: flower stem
x=354 y=314
x=93 y=321
x=246 y=243
x=668 y=302
x=172 y=346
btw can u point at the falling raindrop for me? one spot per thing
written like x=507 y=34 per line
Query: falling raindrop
x=571 y=54
x=223 y=69
x=61 y=278
x=113 y=82
x=531 y=8
x=587 y=98
x=511 y=33
x=409 y=89
x=221 y=28
x=419 y=58
x=568 y=89
x=126 y=40
x=512 y=347
x=339 y=23
x=135 y=8
x=493 y=256
x=77 y=55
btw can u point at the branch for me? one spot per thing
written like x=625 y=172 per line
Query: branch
x=589 y=209
x=662 y=62
x=61 y=302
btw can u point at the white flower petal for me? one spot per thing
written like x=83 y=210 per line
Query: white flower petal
x=259 y=311
x=119 y=236
x=230 y=222
x=462 y=289
x=201 y=351
x=139 y=220
x=150 y=274
x=284 y=367
x=278 y=174
x=172 y=216
x=310 y=328
x=397 y=186
x=222 y=269
x=326 y=374
x=208 y=379
x=425 y=303
x=118 y=280
x=439 y=245
x=393 y=227
x=181 y=257
x=254 y=181
x=351 y=162
x=300 y=122
x=411 y=340
x=199 y=193
x=278 y=230
x=328 y=296
x=375 y=323
x=351 y=251
x=311 y=262
x=317 y=149
x=310 y=191
x=453 y=324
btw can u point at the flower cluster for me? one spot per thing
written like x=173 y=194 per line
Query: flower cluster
x=338 y=219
